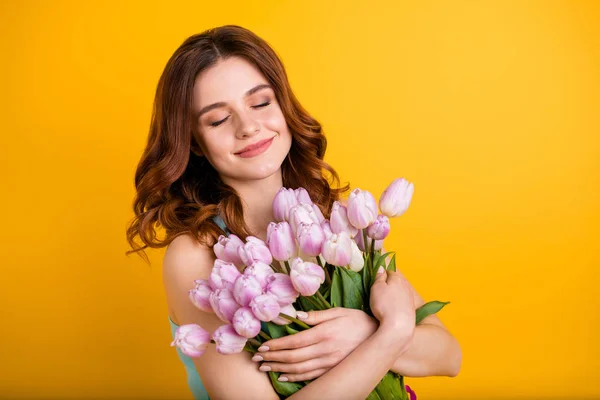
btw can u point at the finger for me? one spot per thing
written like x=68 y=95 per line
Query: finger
x=317 y=317
x=303 y=377
x=381 y=277
x=295 y=368
x=300 y=339
x=292 y=356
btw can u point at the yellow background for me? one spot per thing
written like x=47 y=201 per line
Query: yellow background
x=491 y=108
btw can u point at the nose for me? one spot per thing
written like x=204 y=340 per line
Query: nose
x=248 y=126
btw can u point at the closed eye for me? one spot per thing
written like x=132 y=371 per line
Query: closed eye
x=225 y=119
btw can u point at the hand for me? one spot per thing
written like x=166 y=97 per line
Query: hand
x=309 y=354
x=392 y=303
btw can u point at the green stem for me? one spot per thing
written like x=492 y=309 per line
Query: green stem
x=327 y=277
x=254 y=342
x=373 y=251
x=323 y=300
x=264 y=335
x=287 y=264
x=314 y=302
x=302 y=324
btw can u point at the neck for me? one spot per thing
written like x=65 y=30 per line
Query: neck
x=257 y=201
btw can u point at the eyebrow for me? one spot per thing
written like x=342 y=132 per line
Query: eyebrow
x=222 y=104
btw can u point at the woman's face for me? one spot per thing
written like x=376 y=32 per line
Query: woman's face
x=235 y=107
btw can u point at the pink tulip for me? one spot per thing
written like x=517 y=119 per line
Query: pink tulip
x=284 y=200
x=223 y=304
x=310 y=238
x=337 y=250
x=280 y=285
x=265 y=307
x=362 y=208
x=226 y=249
x=326 y=225
x=281 y=241
x=318 y=213
x=302 y=196
x=255 y=250
x=357 y=262
x=223 y=275
x=396 y=198
x=200 y=294
x=228 y=341
x=246 y=288
x=306 y=277
x=289 y=310
x=379 y=229
x=245 y=323
x=302 y=213
x=361 y=243
x=191 y=339
x=339 y=220
x=260 y=271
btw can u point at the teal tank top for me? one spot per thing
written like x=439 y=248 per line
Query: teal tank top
x=193 y=379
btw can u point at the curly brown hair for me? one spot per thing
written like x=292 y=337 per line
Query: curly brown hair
x=181 y=191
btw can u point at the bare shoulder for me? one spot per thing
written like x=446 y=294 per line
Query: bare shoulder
x=186 y=260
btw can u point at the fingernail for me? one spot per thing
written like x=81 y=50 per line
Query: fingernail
x=301 y=315
x=380 y=270
x=282 y=379
x=264 y=368
x=257 y=357
x=263 y=348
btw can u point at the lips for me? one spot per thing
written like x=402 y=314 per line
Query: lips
x=254 y=146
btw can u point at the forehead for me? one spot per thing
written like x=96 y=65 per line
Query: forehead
x=227 y=80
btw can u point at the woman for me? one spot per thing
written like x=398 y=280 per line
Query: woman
x=227 y=133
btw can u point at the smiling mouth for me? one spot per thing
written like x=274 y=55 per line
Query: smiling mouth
x=258 y=148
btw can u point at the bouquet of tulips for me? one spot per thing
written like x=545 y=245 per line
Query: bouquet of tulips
x=307 y=263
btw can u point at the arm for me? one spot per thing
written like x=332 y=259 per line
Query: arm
x=434 y=350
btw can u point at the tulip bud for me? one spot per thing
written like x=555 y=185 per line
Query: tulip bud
x=337 y=250
x=281 y=241
x=339 y=220
x=396 y=198
x=191 y=339
x=226 y=249
x=223 y=275
x=255 y=250
x=289 y=310
x=245 y=323
x=379 y=229
x=302 y=213
x=310 y=238
x=223 y=304
x=357 y=262
x=265 y=307
x=200 y=294
x=306 y=277
x=245 y=289
x=318 y=213
x=284 y=200
x=362 y=208
x=302 y=196
x=361 y=243
x=326 y=225
x=228 y=341
x=260 y=271
x=280 y=285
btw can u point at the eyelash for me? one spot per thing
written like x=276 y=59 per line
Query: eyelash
x=215 y=124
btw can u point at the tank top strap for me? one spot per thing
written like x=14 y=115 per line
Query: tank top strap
x=219 y=221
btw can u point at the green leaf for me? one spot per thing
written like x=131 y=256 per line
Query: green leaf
x=284 y=389
x=366 y=275
x=276 y=331
x=336 y=289
x=306 y=304
x=352 y=289
x=392 y=265
x=290 y=330
x=429 y=308
x=373 y=395
x=392 y=387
